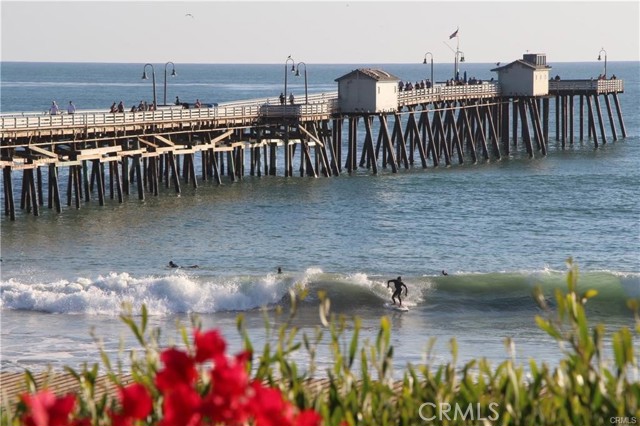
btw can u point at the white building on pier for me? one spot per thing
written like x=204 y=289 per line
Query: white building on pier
x=368 y=90
x=528 y=76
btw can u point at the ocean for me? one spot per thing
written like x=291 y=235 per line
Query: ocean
x=499 y=228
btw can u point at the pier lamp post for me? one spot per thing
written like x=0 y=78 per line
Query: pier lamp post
x=425 y=62
x=144 y=77
x=459 y=58
x=605 y=60
x=286 y=71
x=306 y=95
x=173 y=74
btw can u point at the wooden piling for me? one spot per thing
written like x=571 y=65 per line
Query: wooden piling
x=610 y=114
x=600 y=120
x=592 y=128
x=581 y=123
x=386 y=140
x=525 y=127
x=9 y=204
x=368 y=144
x=480 y=133
x=418 y=142
x=619 y=111
x=514 y=121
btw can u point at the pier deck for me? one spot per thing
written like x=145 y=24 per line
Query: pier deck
x=441 y=124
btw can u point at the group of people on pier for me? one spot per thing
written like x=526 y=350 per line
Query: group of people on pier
x=283 y=99
x=470 y=81
x=427 y=84
x=117 y=108
x=422 y=84
x=54 y=109
x=186 y=105
x=142 y=106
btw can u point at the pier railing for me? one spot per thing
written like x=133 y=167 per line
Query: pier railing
x=442 y=92
x=598 y=86
x=316 y=105
x=322 y=103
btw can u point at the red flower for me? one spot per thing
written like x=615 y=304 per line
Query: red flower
x=45 y=409
x=229 y=378
x=209 y=345
x=179 y=369
x=269 y=408
x=227 y=399
x=136 y=401
x=181 y=406
x=120 y=420
x=308 y=418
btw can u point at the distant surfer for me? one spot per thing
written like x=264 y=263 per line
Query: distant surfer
x=444 y=272
x=279 y=270
x=175 y=265
x=398 y=291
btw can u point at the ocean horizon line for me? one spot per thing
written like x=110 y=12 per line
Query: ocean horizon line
x=280 y=63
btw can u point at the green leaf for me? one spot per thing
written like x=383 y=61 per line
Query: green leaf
x=354 y=341
x=588 y=295
x=546 y=326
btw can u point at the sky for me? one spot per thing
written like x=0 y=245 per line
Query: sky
x=351 y=32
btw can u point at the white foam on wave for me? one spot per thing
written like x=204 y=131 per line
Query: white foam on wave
x=174 y=293
x=379 y=288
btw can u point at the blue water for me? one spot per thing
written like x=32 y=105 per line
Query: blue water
x=499 y=228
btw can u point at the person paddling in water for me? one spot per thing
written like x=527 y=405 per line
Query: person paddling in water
x=398 y=291
x=174 y=265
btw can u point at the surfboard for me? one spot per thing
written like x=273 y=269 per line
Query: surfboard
x=396 y=307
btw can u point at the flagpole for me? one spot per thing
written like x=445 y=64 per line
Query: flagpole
x=456 y=70
x=458 y=55
x=455 y=52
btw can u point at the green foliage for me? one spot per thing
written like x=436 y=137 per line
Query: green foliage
x=585 y=388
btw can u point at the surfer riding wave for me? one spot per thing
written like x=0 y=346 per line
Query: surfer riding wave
x=398 y=291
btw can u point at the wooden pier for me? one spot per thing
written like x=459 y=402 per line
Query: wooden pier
x=114 y=155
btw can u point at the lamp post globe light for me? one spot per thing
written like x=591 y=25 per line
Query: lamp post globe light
x=286 y=71
x=306 y=93
x=605 y=60
x=425 y=62
x=459 y=58
x=144 y=77
x=173 y=74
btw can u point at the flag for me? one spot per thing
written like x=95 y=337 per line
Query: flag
x=455 y=34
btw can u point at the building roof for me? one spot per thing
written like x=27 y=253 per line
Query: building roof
x=374 y=74
x=523 y=63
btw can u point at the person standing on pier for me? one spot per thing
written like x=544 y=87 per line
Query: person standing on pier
x=54 y=108
x=71 y=109
x=281 y=98
x=291 y=99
